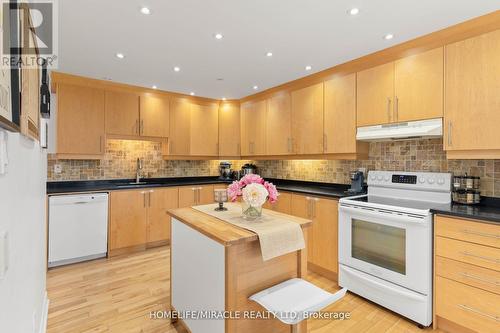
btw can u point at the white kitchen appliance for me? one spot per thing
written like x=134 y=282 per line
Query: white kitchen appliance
x=78 y=228
x=385 y=240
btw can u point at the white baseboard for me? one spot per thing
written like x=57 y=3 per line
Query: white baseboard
x=45 y=314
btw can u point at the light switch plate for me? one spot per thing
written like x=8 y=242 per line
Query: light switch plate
x=4 y=253
x=57 y=168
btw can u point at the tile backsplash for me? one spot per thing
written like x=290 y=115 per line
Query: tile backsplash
x=411 y=155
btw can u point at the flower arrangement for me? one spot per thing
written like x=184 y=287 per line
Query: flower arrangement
x=255 y=192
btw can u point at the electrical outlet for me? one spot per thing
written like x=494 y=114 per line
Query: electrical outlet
x=4 y=253
x=57 y=168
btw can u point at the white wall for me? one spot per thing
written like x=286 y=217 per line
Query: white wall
x=22 y=215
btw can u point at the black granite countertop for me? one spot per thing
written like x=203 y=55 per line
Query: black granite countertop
x=312 y=188
x=488 y=210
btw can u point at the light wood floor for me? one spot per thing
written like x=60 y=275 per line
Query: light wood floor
x=117 y=295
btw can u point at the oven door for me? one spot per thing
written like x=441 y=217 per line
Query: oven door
x=390 y=245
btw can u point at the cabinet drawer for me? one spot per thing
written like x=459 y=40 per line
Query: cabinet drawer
x=470 y=307
x=484 y=256
x=471 y=275
x=469 y=231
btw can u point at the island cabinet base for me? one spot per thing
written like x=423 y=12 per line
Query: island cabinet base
x=210 y=275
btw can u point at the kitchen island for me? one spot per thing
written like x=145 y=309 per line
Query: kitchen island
x=216 y=266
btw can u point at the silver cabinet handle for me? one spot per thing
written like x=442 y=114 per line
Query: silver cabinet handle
x=238 y=149
x=217 y=148
x=450 y=129
x=478 y=278
x=389 y=108
x=325 y=142
x=289 y=145
x=137 y=127
x=482 y=234
x=194 y=189
x=141 y=129
x=487 y=315
x=149 y=197
x=143 y=198
x=309 y=207
x=314 y=206
x=100 y=143
x=396 y=108
x=495 y=260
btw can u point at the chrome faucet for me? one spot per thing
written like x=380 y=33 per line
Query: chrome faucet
x=138 y=171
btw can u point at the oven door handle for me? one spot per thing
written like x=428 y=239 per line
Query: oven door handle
x=383 y=287
x=377 y=214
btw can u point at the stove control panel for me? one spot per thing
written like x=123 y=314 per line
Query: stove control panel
x=432 y=181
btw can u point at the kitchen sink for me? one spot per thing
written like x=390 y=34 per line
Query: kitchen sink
x=131 y=183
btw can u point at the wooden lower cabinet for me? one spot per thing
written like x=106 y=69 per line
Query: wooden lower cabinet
x=127 y=220
x=322 y=243
x=158 y=222
x=196 y=195
x=466 y=275
x=139 y=219
x=283 y=205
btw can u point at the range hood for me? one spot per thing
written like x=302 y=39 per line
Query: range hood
x=432 y=128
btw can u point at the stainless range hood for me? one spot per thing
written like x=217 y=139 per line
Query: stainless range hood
x=432 y=128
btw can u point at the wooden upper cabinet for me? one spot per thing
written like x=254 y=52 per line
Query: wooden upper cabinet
x=80 y=120
x=375 y=91
x=418 y=86
x=159 y=202
x=307 y=120
x=229 y=129
x=279 y=125
x=122 y=113
x=180 y=126
x=472 y=102
x=340 y=115
x=127 y=219
x=154 y=115
x=204 y=130
x=253 y=128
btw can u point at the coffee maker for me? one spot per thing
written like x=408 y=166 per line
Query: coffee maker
x=357 y=182
x=225 y=172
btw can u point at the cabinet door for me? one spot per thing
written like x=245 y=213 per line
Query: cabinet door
x=375 y=91
x=283 y=205
x=229 y=130
x=418 y=86
x=204 y=130
x=325 y=234
x=80 y=120
x=253 y=128
x=159 y=201
x=205 y=194
x=302 y=207
x=122 y=113
x=154 y=114
x=127 y=219
x=340 y=115
x=307 y=120
x=188 y=196
x=180 y=127
x=279 y=125
x=472 y=85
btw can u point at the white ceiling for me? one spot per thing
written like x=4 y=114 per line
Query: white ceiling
x=180 y=33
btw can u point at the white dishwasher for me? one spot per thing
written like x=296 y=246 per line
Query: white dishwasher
x=78 y=228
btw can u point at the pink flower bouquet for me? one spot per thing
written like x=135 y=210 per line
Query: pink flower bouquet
x=254 y=190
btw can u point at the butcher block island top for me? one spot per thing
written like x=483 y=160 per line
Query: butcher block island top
x=221 y=231
x=216 y=266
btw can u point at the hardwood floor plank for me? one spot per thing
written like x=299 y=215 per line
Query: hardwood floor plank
x=117 y=295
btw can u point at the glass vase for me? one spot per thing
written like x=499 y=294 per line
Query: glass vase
x=249 y=212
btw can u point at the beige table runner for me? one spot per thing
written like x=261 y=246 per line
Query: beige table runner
x=277 y=235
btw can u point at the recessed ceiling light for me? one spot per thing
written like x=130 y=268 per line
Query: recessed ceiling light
x=120 y=55
x=353 y=11
x=218 y=36
x=269 y=54
x=154 y=87
x=308 y=68
x=388 y=36
x=145 y=10
x=191 y=93
x=177 y=69
x=255 y=87
x=224 y=98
